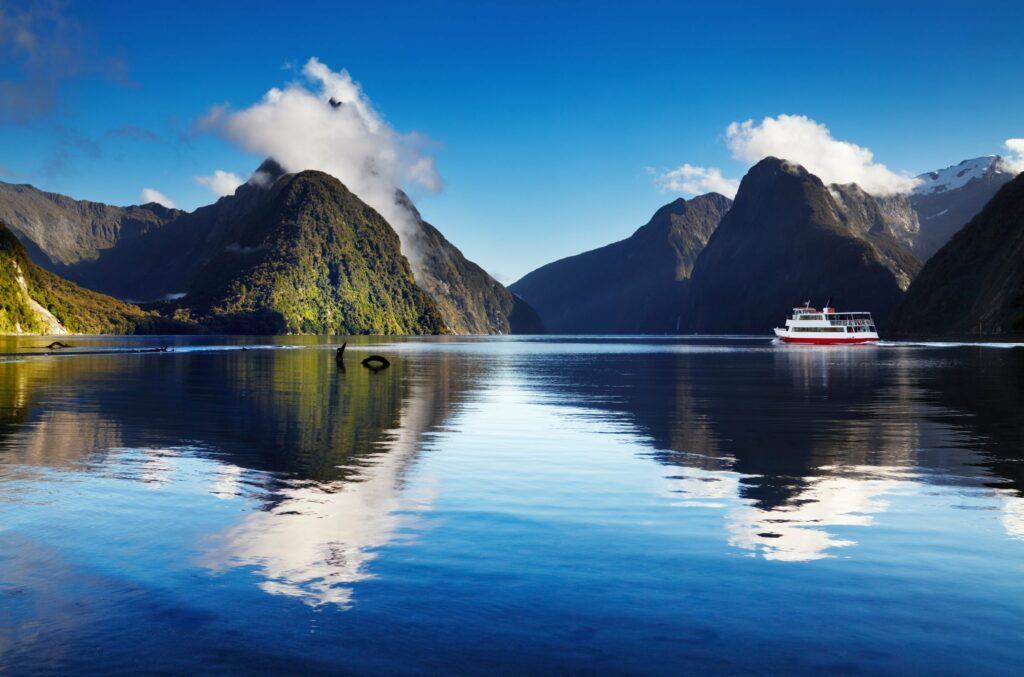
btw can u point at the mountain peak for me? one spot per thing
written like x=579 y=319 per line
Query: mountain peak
x=269 y=171
x=958 y=175
x=783 y=213
x=772 y=164
x=973 y=284
x=682 y=205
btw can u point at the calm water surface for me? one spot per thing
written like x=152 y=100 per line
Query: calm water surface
x=512 y=505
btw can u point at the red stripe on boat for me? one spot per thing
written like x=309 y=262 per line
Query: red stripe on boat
x=826 y=341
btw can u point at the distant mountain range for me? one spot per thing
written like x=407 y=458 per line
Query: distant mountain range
x=974 y=285
x=636 y=285
x=300 y=253
x=285 y=253
x=62 y=233
x=948 y=198
x=794 y=238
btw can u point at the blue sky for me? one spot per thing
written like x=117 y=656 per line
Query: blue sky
x=544 y=119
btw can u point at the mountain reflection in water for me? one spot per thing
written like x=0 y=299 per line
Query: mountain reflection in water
x=531 y=503
x=316 y=538
x=819 y=439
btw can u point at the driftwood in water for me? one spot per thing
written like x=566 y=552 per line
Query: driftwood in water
x=57 y=345
x=376 y=362
x=339 y=357
x=97 y=351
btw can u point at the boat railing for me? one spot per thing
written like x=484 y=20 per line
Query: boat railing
x=851 y=323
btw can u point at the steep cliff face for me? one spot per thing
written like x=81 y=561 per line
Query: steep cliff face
x=888 y=223
x=636 y=285
x=469 y=299
x=974 y=285
x=782 y=242
x=63 y=232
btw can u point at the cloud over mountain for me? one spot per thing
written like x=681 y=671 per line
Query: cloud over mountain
x=221 y=182
x=1013 y=161
x=326 y=122
x=153 y=195
x=692 y=180
x=800 y=139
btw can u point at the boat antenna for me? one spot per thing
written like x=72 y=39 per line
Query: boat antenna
x=828 y=304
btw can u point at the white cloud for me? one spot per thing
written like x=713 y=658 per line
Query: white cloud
x=153 y=195
x=220 y=182
x=800 y=139
x=327 y=123
x=1013 y=161
x=696 y=181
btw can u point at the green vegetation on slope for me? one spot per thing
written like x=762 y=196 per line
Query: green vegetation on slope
x=312 y=258
x=28 y=293
x=149 y=253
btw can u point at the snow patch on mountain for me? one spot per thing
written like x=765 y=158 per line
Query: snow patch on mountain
x=957 y=176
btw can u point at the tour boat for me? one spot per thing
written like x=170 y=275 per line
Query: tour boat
x=827 y=326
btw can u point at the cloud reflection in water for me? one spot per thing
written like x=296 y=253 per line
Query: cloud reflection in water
x=318 y=538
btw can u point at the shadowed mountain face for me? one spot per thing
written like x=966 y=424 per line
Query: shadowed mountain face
x=887 y=223
x=61 y=232
x=783 y=241
x=951 y=197
x=469 y=299
x=637 y=285
x=975 y=283
x=642 y=284
x=165 y=261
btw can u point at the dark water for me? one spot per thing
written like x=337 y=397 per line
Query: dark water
x=513 y=506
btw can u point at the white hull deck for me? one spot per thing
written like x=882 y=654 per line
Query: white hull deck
x=827 y=327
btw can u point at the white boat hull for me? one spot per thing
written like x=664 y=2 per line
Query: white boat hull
x=826 y=338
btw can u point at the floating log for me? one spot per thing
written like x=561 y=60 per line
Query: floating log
x=57 y=345
x=97 y=351
x=376 y=362
x=161 y=349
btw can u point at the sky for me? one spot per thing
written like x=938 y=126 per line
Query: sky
x=525 y=132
